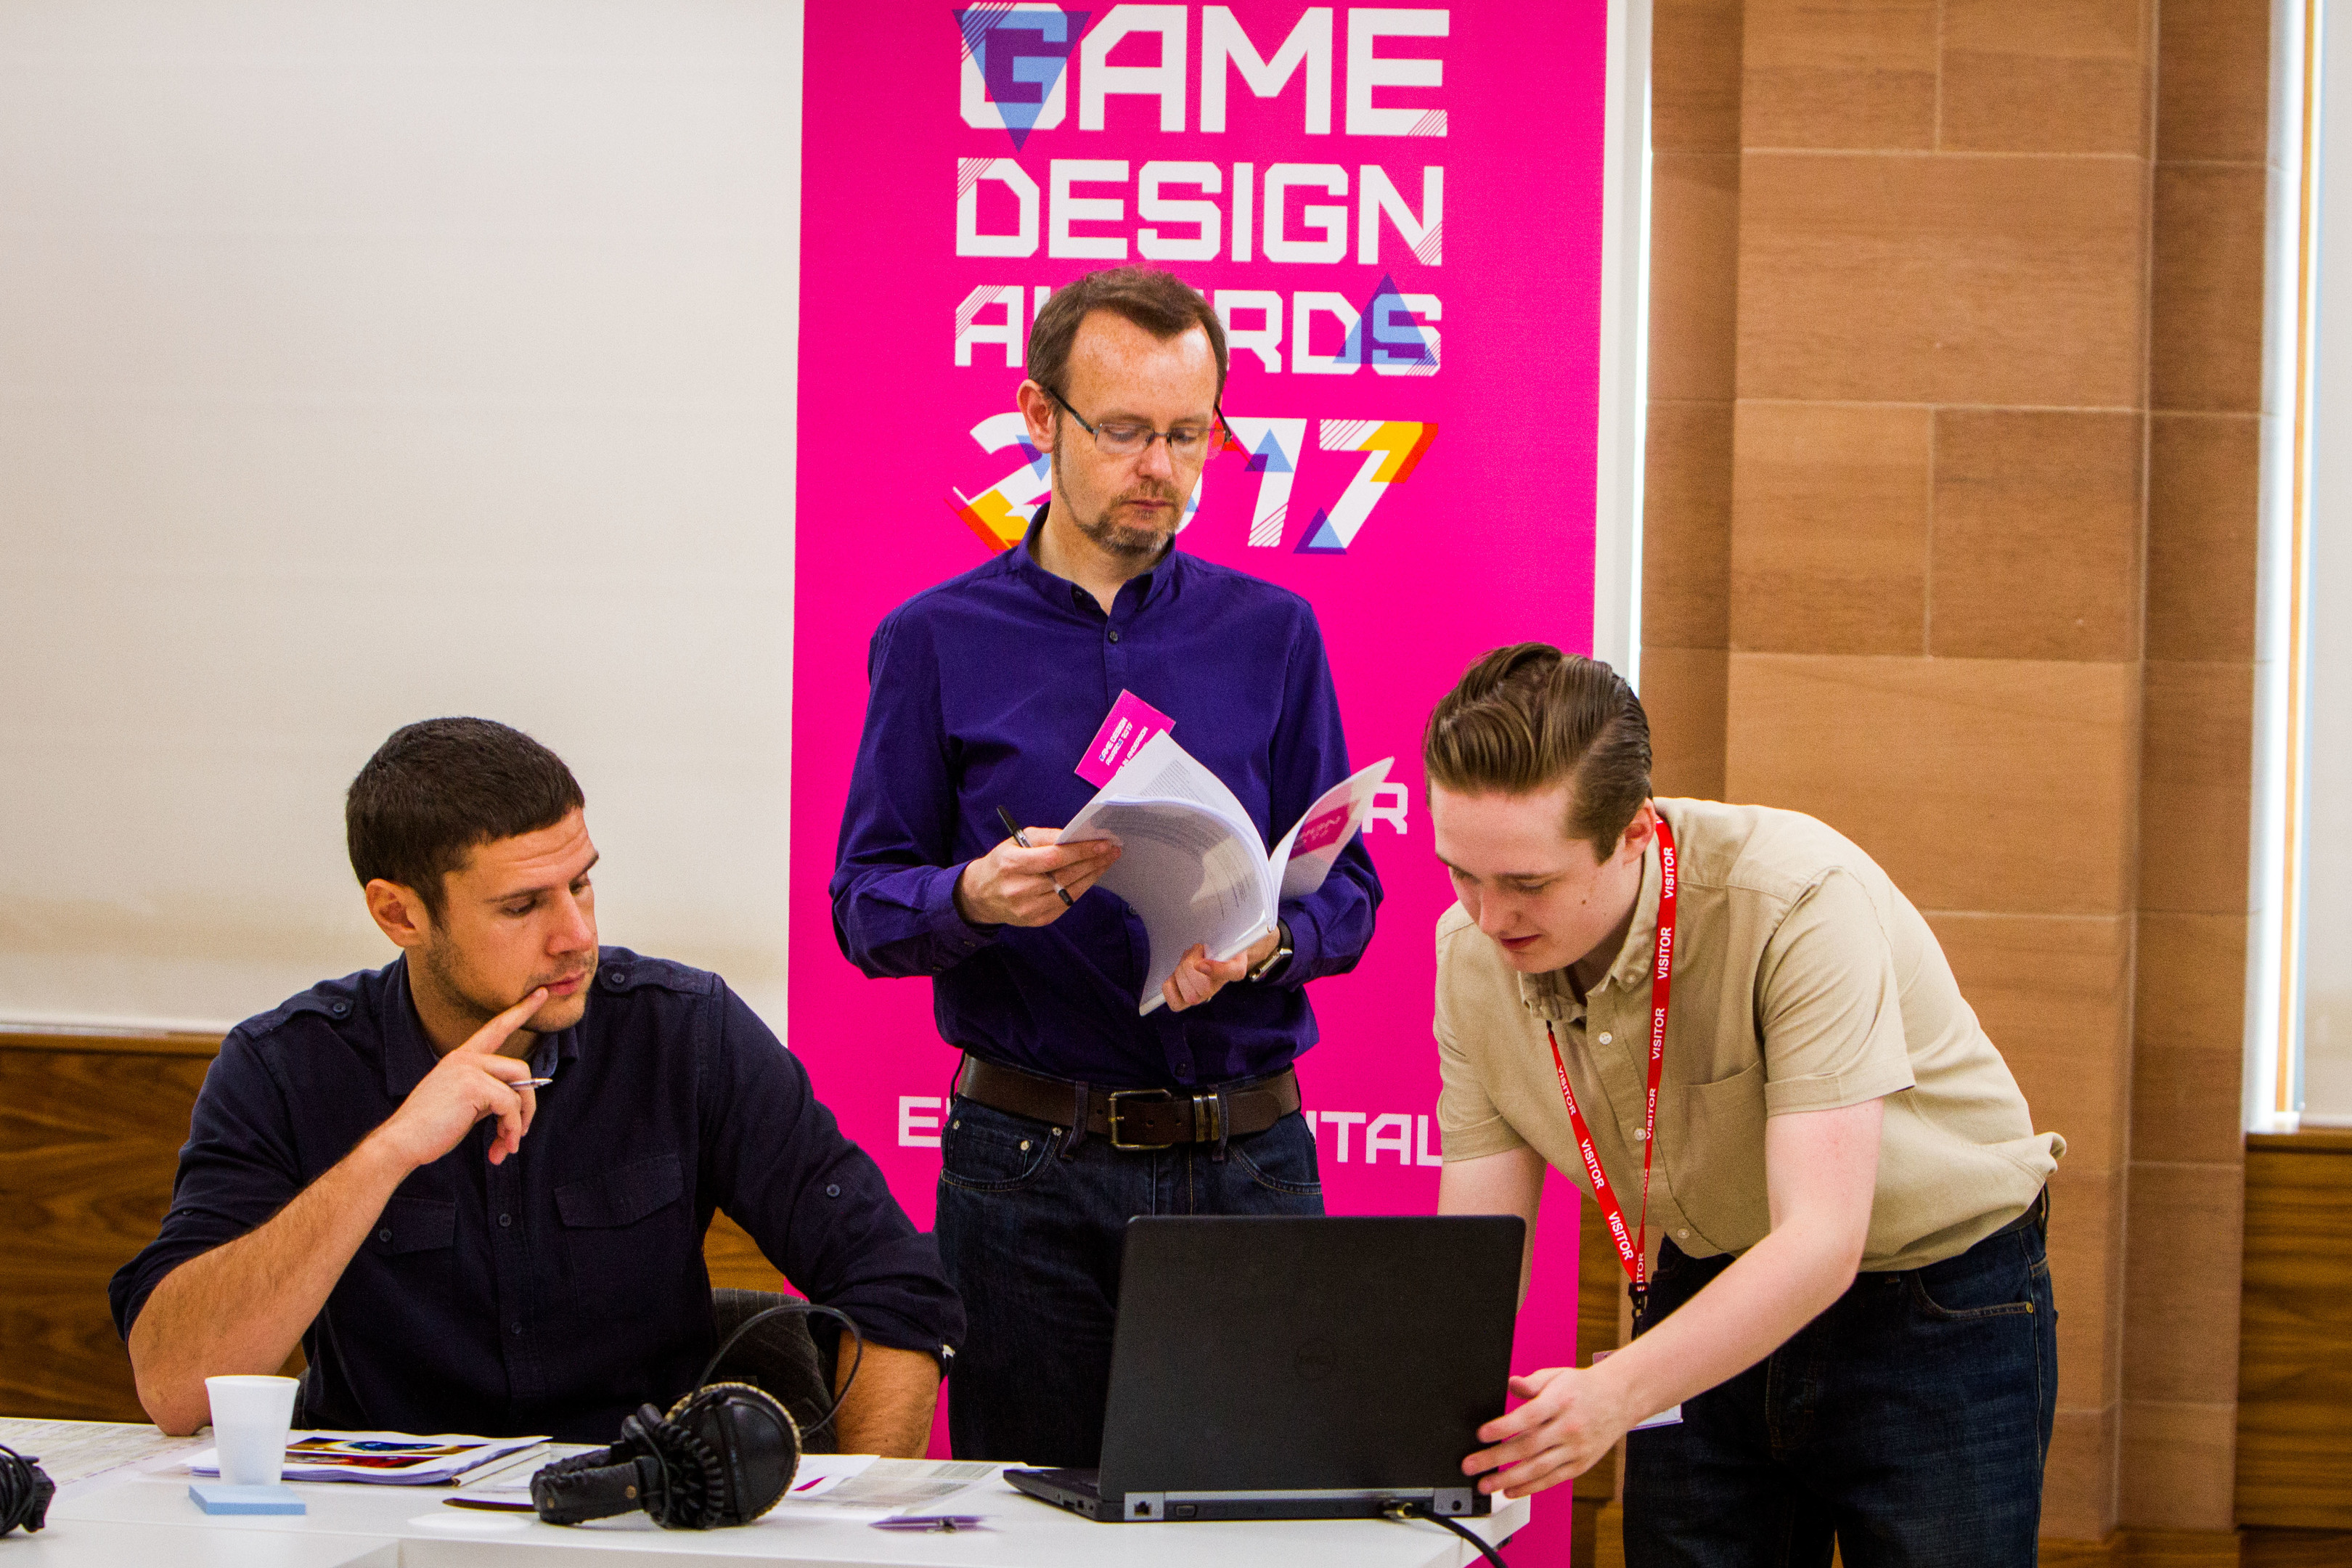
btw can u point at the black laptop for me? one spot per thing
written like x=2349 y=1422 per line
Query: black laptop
x=1308 y=1368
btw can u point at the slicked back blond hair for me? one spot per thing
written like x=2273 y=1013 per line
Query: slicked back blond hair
x=1529 y=717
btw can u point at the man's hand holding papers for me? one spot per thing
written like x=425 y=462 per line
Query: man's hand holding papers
x=1194 y=866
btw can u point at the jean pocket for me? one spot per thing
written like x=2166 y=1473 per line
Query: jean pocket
x=984 y=1151
x=1994 y=1278
x=1282 y=1159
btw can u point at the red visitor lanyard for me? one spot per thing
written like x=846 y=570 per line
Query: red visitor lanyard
x=1632 y=1247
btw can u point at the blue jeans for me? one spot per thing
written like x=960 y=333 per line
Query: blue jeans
x=1033 y=1241
x=1909 y=1421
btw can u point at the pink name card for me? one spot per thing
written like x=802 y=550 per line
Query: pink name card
x=1131 y=724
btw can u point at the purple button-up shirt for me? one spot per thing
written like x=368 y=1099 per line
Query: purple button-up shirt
x=985 y=692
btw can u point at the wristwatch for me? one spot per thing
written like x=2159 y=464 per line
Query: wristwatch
x=1278 y=957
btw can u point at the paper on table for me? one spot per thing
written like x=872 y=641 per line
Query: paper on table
x=507 y=1483
x=396 y=1459
x=72 y=1451
x=859 y=1487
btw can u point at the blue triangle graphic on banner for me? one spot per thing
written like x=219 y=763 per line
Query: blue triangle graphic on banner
x=1268 y=458
x=1019 y=59
x=1395 y=340
x=1321 y=539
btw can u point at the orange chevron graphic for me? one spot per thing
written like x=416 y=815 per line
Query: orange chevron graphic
x=992 y=517
x=1404 y=441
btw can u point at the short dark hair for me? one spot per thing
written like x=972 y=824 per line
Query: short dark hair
x=440 y=787
x=1525 y=718
x=1160 y=302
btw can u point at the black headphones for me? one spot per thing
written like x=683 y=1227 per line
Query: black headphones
x=723 y=1455
x=24 y=1492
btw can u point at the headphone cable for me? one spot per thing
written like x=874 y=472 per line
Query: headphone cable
x=795 y=1308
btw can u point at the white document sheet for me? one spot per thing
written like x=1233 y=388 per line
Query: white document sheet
x=1191 y=865
x=71 y=1451
x=859 y=1488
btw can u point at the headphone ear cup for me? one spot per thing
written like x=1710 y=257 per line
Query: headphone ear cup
x=755 y=1440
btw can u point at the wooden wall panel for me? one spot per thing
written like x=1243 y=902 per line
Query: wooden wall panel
x=2294 y=1353
x=89 y=1139
x=90 y=1131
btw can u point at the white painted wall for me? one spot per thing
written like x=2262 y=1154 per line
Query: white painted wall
x=2328 y=832
x=365 y=362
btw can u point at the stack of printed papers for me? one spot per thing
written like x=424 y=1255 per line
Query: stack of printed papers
x=861 y=1488
x=74 y=1451
x=395 y=1458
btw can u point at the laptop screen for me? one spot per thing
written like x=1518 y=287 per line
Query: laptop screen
x=1308 y=1354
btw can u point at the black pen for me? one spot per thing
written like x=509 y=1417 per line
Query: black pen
x=1022 y=838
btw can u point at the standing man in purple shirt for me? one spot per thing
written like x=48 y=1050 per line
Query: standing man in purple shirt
x=1072 y=1113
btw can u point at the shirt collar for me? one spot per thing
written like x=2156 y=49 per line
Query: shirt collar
x=1549 y=995
x=408 y=1053
x=1062 y=592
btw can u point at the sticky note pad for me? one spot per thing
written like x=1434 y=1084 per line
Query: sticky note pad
x=216 y=1497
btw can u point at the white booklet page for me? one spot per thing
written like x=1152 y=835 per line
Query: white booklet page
x=1190 y=862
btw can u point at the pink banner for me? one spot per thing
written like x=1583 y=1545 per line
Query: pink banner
x=1399 y=215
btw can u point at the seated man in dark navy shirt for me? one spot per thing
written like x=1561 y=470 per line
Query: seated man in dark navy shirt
x=371 y=1169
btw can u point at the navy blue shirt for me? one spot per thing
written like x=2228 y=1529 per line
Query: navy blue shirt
x=985 y=691
x=557 y=1290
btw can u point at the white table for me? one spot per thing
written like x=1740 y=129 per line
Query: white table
x=147 y=1521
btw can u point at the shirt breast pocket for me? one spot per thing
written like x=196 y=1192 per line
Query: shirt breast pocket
x=411 y=1251
x=1723 y=1134
x=415 y=1224
x=626 y=1232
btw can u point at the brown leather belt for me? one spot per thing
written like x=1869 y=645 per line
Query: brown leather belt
x=1133 y=1117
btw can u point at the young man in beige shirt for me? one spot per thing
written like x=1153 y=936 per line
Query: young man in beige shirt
x=1849 y=1293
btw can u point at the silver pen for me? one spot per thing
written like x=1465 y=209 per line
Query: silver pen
x=1023 y=839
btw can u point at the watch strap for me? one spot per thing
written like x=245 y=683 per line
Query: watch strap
x=1279 y=957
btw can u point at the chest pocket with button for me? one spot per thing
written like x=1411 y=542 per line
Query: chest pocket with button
x=415 y=1224
x=411 y=1252
x=624 y=1226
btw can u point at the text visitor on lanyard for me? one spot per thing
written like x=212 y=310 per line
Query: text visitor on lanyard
x=1633 y=1246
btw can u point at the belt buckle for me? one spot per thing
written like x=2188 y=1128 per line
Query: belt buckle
x=1119 y=1094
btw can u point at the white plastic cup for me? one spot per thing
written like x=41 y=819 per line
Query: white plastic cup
x=251 y=1419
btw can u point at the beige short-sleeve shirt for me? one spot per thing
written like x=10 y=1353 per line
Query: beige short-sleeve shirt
x=1803 y=980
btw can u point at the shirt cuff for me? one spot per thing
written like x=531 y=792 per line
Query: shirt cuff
x=1836 y=1091
x=1492 y=1136
x=1305 y=947
x=944 y=922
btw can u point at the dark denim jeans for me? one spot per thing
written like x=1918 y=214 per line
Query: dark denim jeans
x=1909 y=1421
x=1033 y=1241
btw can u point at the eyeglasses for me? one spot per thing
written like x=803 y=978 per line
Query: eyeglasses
x=1187 y=444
